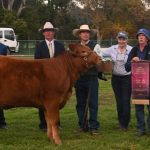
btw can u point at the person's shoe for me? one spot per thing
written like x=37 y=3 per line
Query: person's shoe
x=44 y=129
x=140 y=133
x=80 y=130
x=94 y=132
x=122 y=128
x=3 y=126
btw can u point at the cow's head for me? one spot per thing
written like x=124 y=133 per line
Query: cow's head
x=90 y=58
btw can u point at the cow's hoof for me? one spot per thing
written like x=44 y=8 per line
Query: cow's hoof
x=58 y=142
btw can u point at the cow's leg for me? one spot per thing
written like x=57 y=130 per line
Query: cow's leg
x=52 y=118
x=49 y=127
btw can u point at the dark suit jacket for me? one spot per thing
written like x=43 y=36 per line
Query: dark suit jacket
x=3 y=49
x=42 y=50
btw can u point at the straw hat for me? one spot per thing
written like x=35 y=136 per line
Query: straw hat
x=84 y=27
x=49 y=26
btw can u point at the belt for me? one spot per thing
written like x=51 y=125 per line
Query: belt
x=123 y=76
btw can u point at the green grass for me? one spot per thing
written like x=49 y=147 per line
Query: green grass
x=23 y=132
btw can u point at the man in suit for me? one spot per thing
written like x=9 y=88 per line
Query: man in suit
x=3 y=51
x=48 y=48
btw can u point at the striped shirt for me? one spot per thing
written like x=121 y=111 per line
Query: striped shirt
x=118 y=59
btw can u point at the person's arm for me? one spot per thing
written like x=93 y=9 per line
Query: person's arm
x=107 y=52
x=131 y=56
x=37 y=54
x=99 y=52
x=63 y=48
x=97 y=49
x=5 y=50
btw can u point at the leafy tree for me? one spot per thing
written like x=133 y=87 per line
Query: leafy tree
x=14 y=5
x=56 y=11
x=114 y=15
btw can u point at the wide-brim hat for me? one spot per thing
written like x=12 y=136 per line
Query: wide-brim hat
x=48 y=26
x=82 y=28
x=145 y=32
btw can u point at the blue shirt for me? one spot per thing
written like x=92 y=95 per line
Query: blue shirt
x=3 y=49
x=141 y=54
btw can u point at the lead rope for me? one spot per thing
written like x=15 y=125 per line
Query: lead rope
x=86 y=111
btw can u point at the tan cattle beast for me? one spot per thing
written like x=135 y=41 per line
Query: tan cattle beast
x=44 y=83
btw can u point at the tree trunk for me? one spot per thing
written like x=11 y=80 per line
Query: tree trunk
x=3 y=4
x=21 y=7
x=10 y=5
x=98 y=35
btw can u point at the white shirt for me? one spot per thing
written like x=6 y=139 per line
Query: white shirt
x=118 y=59
x=51 y=50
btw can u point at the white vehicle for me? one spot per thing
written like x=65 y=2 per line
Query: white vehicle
x=8 y=38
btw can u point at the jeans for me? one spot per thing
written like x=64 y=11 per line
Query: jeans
x=87 y=101
x=140 y=118
x=122 y=89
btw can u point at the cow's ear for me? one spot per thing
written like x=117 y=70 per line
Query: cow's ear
x=72 y=46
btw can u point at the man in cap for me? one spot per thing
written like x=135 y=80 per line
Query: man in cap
x=86 y=87
x=48 y=48
x=140 y=52
x=121 y=79
x=3 y=51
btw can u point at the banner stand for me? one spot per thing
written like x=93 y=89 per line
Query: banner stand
x=140 y=72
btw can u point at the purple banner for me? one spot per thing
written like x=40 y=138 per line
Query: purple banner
x=141 y=80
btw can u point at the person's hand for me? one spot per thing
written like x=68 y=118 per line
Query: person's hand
x=102 y=76
x=135 y=59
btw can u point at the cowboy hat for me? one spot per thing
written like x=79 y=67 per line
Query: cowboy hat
x=84 y=27
x=48 y=26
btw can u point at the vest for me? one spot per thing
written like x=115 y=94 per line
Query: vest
x=92 y=71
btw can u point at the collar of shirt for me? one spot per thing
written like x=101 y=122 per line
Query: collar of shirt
x=52 y=42
x=127 y=51
x=85 y=42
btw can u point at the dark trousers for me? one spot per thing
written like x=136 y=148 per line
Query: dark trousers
x=140 y=118
x=42 y=119
x=2 y=118
x=122 y=89
x=83 y=89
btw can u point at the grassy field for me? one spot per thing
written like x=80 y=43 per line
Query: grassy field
x=23 y=132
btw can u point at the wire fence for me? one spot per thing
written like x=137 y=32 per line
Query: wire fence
x=27 y=47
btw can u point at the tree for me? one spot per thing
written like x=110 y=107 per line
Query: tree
x=56 y=11
x=120 y=15
x=14 y=5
